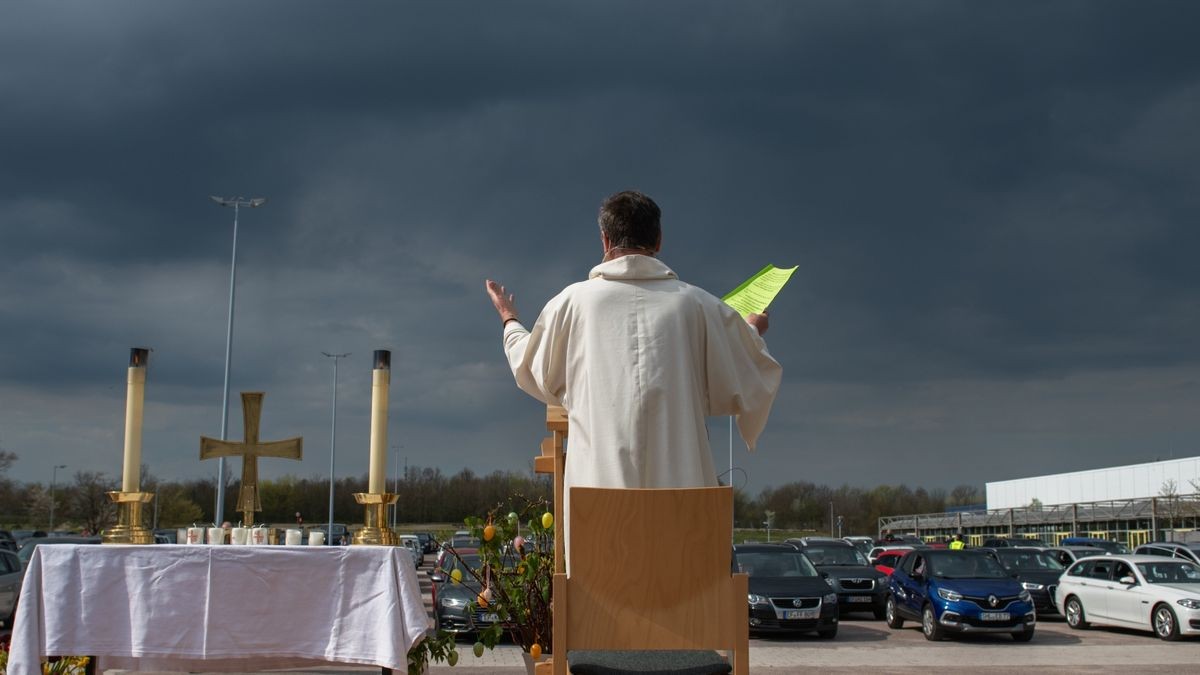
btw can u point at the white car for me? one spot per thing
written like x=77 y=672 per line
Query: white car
x=413 y=544
x=1143 y=592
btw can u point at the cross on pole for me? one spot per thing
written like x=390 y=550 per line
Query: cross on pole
x=250 y=449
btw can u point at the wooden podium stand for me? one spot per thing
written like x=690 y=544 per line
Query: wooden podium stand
x=612 y=601
x=551 y=461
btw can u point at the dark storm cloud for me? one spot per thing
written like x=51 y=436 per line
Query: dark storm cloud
x=987 y=202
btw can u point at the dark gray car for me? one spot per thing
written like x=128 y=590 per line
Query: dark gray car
x=860 y=587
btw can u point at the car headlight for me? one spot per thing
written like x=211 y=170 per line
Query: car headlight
x=1025 y=596
x=453 y=603
x=756 y=599
x=947 y=594
x=1190 y=603
x=829 y=598
x=1030 y=586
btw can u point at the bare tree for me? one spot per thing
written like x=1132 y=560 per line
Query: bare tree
x=1168 y=495
x=88 y=504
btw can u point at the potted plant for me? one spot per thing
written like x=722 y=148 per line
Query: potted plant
x=514 y=575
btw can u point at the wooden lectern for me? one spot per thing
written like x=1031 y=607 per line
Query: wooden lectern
x=612 y=601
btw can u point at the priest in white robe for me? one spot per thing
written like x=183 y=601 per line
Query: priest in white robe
x=639 y=359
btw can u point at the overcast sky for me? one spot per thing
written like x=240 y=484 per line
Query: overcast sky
x=993 y=206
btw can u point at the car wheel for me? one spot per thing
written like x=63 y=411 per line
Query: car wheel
x=930 y=626
x=892 y=614
x=1023 y=636
x=1075 y=616
x=827 y=634
x=1166 y=625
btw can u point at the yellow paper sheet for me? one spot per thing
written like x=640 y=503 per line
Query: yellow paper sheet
x=756 y=293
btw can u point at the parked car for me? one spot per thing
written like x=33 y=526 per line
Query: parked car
x=30 y=544
x=1069 y=554
x=428 y=543
x=453 y=600
x=1037 y=570
x=860 y=587
x=7 y=542
x=787 y=594
x=1142 y=592
x=11 y=572
x=886 y=560
x=961 y=592
x=804 y=541
x=874 y=553
x=413 y=545
x=1005 y=542
x=901 y=539
x=1110 y=546
x=1190 y=552
x=863 y=544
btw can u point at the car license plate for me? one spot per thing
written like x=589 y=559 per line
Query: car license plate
x=488 y=618
x=859 y=598
x=995 y=616
x=799 y=613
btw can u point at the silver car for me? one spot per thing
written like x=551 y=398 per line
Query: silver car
x=10 y=585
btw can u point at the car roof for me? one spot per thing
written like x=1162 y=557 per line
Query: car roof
x=822 y=543
x=1172 y=544
x=1133 y=558
x=763 y=548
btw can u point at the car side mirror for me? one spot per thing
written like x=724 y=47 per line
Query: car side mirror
x=1128 y=581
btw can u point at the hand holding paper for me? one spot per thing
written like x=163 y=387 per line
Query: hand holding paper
x=756 y=293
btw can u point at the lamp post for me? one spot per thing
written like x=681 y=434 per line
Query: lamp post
x=332 y=443
x=396 y=481
x=236 y=203
x=53 y=481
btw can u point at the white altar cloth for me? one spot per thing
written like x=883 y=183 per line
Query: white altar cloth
x=214 y=608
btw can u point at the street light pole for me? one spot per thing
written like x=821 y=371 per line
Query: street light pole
x=236 y=203
x=53 y=481
x=332 y=443
x=396 y=482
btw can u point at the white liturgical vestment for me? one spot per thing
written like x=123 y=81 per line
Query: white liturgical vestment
x=639 y=359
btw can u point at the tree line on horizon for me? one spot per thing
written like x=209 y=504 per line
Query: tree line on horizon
x=427 y=496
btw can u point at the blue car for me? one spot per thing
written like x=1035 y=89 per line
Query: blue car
x=958 y=592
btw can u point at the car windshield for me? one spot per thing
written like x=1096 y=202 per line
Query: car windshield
x=965 y=565
x=775 y=564
x=835 y=555
x=1017 y=560
x=1170 y=572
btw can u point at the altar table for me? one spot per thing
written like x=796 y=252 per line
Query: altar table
x=218 y=608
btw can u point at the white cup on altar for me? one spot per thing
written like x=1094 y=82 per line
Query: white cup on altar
x=195 y=535
x=316 y=538
x=292 y=537
x=216 y=535
x=258 y=536
x=181 y=535
x=239 y=536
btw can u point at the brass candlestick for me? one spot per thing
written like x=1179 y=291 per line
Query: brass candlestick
x=375 y=531
x=128 y=529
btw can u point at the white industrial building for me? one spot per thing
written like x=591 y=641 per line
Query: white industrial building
x=1135 y=481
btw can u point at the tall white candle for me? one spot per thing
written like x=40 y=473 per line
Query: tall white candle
x=135 y=396
x=381 y=378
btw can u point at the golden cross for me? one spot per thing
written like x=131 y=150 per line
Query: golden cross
x=250 y=449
